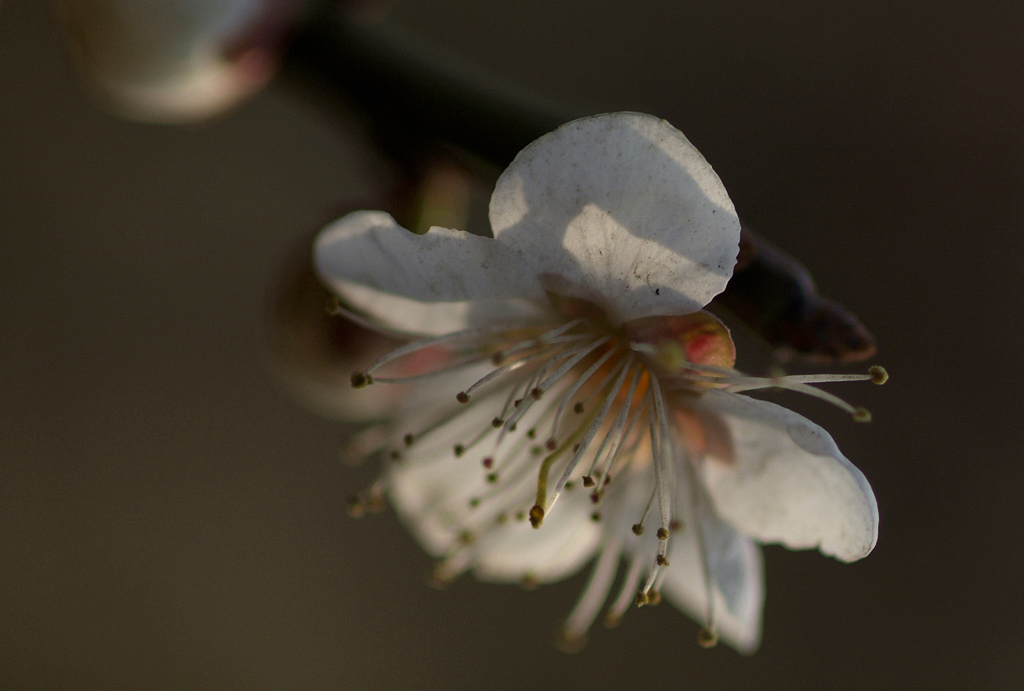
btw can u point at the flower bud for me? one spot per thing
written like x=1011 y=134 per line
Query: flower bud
x=176 y=61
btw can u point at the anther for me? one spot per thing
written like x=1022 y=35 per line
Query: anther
x=595 y=497
x=707 y=638
x=588 y=481
x=395 y=455
x=596 y=517
x=356 y=507
x=409 y=439
x=578 y=408
x=641 y=599
x=662 y=560
x=862 y=415
x=488 y=462
x=531 y=433
x=607 y=480
x=569 y=485
x=440 y=578
x=662 y=534
x=569 y=642
x=520 y=516
x=497 y=422
x=466 y=537
x=501 y=519
x=878 y=374
x=492 y=478
x=638 y=529
x=536 y=450
x=361 y=379
x=654 y=598
x=551 y=444
x=675 y=524
x=536 y=392
x=462 y=397
x=498 y=358
x=536 y=516
x=459 y=450
x=474 y=502
x=517 y=403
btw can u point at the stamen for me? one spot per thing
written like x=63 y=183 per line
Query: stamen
x=627 y=590
x=696 y=481
x=878 y=374
x=422 y=343
x=580 y=353
x=592 y=430
x=463 y=396
x=570 y=393
x=594 y=594
x=545 y=469
x=862 y=415
x=615 y=435
x=707 y=638
x=536 y=516
x=661 y=447
x=638 y=528
x=450 y=367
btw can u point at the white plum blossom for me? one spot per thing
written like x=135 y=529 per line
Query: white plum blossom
x=176 y=61
x=568 y=400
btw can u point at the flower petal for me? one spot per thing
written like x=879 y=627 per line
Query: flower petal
x=433 y=491
x=566 y=541
x=733 y=560
x=737 y=573
x=622 y=210
x=787 y=481
x=429 y=284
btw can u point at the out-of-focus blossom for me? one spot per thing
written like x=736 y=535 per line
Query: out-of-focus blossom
x=176 y=61
x=567 y=388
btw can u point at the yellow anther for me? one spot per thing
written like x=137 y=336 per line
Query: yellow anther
x=536 y=516
x=878 y=374
x=707 y=638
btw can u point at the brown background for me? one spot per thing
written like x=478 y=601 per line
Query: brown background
x=170 y=519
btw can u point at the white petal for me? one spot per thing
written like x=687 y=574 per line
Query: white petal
x=431 y=492
x=788 y=482
x=734 y=560
x=620 y=209
x=566 y=541
x=429 y=284
x=737 y=574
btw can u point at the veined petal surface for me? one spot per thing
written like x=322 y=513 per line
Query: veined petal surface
x=787 y=482
x=431 y=284
x=623 y=211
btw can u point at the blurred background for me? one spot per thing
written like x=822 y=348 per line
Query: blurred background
x=170 y=517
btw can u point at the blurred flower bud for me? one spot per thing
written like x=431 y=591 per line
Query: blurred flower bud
x=176 y=61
